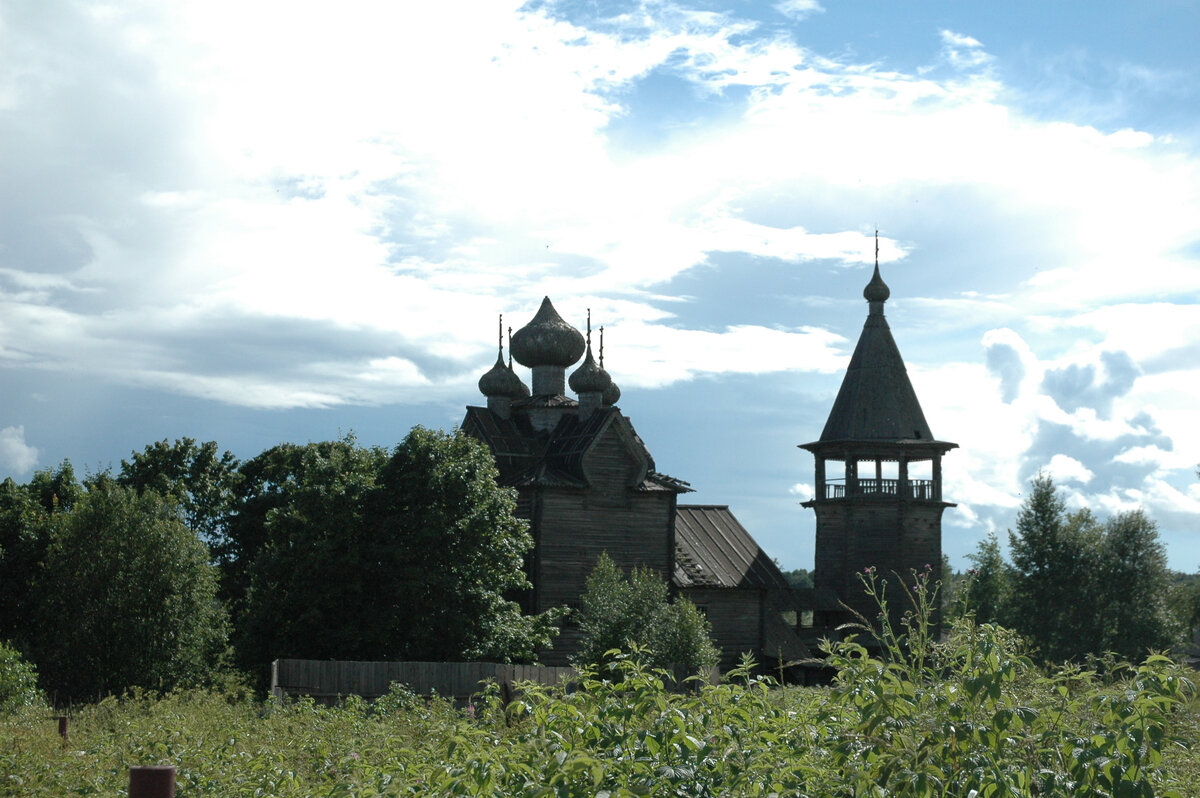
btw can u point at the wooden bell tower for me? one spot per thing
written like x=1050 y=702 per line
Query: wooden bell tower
x=878 y=491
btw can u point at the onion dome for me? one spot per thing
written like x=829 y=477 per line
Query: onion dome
x=524 y=390
x=612 y=393
x=589 y=378
x=547 y=340
x=876 y=290
x=501 y=380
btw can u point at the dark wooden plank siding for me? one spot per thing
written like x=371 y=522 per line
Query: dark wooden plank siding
x=736 y=619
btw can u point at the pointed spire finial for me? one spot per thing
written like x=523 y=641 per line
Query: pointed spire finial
x=589 y=328
x=876 y=292
x=509 y=347
x=601 y=346
x=500 y=339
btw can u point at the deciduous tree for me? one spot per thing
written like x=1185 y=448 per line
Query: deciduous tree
x=200 y=477
x=127 y=597
x=353 y=553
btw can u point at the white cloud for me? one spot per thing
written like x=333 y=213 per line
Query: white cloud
x=799 y=9
x=1065 y=469
x=803 y=490
x=16 y=456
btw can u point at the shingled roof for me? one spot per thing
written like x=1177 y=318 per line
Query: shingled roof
x=876 y=401
x=713 y=549
x=526 y=456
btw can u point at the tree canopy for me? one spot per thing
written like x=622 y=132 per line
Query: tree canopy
x=1077 y=585
x=357 y=554
x=126 y=597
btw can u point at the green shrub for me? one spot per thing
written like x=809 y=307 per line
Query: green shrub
x=619 y=612
x=973 y=713
x=18 y=680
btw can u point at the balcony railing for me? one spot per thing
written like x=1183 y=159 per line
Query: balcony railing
x=919 y=489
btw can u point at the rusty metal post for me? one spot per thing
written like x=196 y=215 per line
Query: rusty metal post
x=152 y=781
x=62 y=726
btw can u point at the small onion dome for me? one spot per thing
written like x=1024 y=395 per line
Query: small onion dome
x=876 y=290
x=589 y=378
x=611 y=394
x=547 y=340
x=502 y=381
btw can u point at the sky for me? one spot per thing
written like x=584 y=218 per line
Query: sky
x=255 y=222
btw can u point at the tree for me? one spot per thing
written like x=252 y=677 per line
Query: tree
x=1137 y=616
x=355 y=554
x=1081 y=587
x=463 y=551
x=617 y=611
x=989 y=589
x=18 y=680
x=1056 y=568
x=127 y=597
x=199 y=477
x=798 y=578
x=23 y=537
x=306 y=576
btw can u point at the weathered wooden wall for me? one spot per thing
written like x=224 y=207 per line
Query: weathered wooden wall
x=888 y=534
x=327 y=680
x=736 y=618
x=571 y=537
x=573 y=527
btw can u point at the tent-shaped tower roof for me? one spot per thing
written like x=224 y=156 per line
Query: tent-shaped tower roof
x=876 y=401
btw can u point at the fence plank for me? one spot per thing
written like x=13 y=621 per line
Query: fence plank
x=327 y=680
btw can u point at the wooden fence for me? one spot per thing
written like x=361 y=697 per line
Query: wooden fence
x=327 y=680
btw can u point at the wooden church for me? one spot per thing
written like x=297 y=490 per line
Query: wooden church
x=587 y=484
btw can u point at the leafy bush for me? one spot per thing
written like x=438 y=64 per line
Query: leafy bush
x=618 y=612
x=18 y=680
x=973 y=713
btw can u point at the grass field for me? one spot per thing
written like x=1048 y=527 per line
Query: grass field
x=968 y=714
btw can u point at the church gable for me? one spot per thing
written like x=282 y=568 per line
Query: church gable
x=614 y=463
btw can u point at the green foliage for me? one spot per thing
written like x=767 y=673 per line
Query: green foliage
x=318 y=585
x=24 y=532
x=127 y=597
x=18 y=680
x=352 y=553
x=462 y=552
x=988 y=592
x=1133 y=559
x=617 y=611
x=1078 y=587
x=798 y=578
x=199 y=477
x=972 y=715
x=56 y=489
